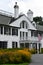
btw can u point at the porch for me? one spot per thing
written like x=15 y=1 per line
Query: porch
x=31 y=44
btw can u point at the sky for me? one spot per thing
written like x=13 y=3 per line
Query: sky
x=24 y=5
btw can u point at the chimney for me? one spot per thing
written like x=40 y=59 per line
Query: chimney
x=16 y=10
x=30 y=15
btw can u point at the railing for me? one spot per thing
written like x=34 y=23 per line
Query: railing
x=30 y=40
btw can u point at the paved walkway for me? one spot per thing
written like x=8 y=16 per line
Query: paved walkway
x=37 y=59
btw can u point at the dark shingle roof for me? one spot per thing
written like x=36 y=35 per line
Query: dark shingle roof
x=13 y=19
x=39 y=27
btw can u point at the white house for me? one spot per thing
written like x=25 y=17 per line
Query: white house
x=19 y=31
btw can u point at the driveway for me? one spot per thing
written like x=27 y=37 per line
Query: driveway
x=37 y=59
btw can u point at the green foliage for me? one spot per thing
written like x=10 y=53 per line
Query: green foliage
x=42 y=50
x=12 y=56
x=33 y=51
x=38 y=19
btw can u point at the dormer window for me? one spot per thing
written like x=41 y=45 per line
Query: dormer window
x=24 y=24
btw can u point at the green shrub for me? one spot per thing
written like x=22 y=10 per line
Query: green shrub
x=41 y=50
x=14 y=56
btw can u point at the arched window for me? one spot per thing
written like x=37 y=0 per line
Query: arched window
x=24 y=24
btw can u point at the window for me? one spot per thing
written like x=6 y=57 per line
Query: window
x=23 y=35
x=20 y=35
x=24 y=24
x=3 y=44
x=14 y=44
x=1 y=30
x=14 y=31
x=21 y=45
x=26 y=45
x=34 y=33
x=7 y=30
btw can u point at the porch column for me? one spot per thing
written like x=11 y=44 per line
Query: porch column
x=18 y=44
x=11 y=30
x=3 y=30
x=31 y=45
x=38 y=48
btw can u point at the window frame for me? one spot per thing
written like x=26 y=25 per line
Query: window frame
x=22 y=24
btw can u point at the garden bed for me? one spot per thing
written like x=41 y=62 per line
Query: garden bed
x=14 y=56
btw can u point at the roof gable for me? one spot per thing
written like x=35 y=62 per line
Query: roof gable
x=19 y=20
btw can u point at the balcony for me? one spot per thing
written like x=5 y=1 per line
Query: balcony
x=29 y=40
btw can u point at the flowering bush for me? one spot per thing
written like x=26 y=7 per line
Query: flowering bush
x=33 y=51
x=14 y=56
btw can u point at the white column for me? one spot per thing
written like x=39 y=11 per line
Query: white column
x=18 y=44
x=11 y=30
x=31 y=45
x=9 y=44
x=3 y=30
x=37 y=47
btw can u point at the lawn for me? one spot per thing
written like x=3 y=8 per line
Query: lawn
x=16 y=64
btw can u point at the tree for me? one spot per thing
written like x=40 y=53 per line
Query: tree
x=38 y=19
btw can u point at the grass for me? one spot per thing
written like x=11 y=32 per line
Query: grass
x=16 y=64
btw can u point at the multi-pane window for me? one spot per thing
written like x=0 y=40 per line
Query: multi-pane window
x=7 y=30
x=34 y=33
x=14 y=31
x=3 y=44
x=23 y=35
x=26 y=45
x=24 y=24
x=21 y=45
x=14 y=44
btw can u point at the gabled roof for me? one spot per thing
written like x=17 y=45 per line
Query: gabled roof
x=14 y=19
x=18 y=20
x=5 y=17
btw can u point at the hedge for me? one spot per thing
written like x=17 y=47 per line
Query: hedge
x=14 y=56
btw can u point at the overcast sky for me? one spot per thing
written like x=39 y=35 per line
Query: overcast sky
x=35 y=5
